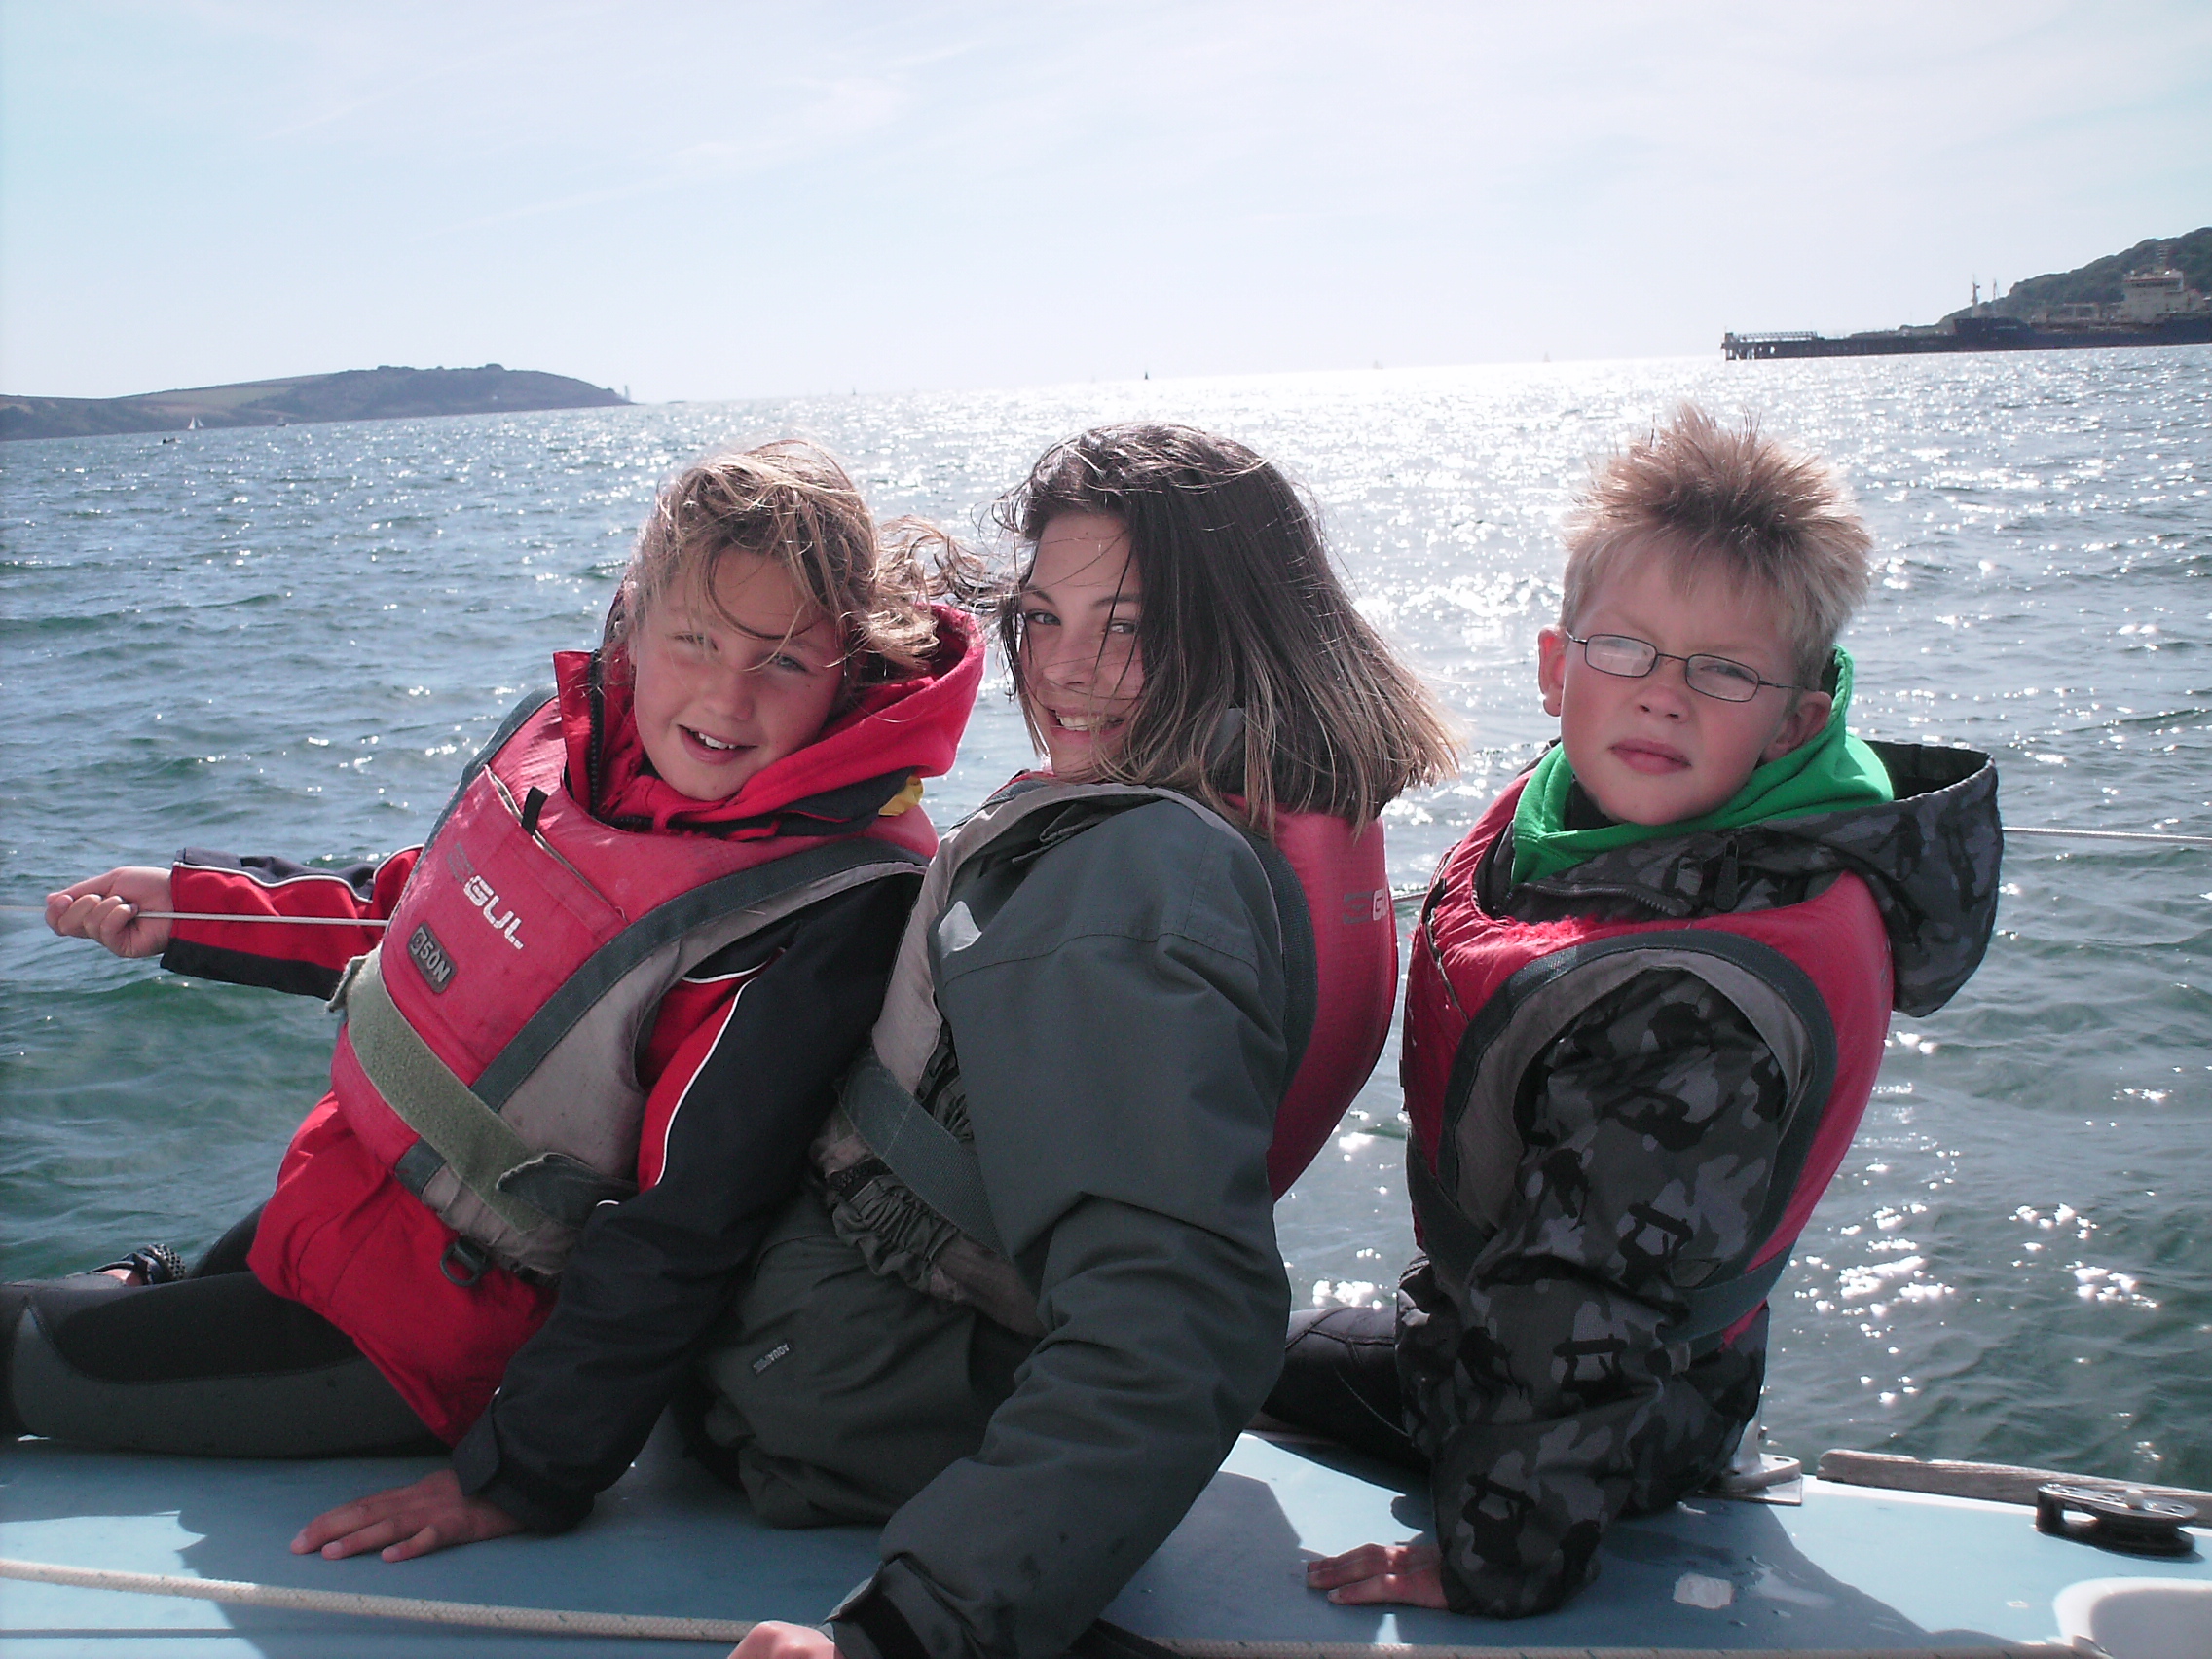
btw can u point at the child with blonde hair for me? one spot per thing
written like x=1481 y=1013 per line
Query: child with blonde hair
x=591 y=1023
x=1649 y=997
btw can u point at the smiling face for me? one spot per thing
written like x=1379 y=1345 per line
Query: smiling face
x=1080 y=672
x=725 y=689
x=1652 y=750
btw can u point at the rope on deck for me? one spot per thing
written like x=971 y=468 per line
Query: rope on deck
x=539 y=1621
x=548 y=1621
x=1382 y=1650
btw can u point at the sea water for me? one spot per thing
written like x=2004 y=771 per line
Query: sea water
x=291 y=639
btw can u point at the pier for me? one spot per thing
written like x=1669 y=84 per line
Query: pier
x=2156 y=308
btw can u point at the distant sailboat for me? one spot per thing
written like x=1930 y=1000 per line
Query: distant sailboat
x=193 y=425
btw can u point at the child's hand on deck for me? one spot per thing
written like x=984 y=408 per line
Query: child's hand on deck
x=406 y=1522
x=105 y=908
x=1411 y=1574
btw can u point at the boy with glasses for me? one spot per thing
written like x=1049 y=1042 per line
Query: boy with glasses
x=1647 y=1000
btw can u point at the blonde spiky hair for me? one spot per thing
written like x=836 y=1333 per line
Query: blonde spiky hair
x=1727 y=501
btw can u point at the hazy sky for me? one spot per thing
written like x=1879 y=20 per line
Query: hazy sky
x=738 y=200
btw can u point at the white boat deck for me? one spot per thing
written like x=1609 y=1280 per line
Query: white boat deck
x=1851 y=1568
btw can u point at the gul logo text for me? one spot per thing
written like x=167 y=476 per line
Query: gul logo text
x=478 y=892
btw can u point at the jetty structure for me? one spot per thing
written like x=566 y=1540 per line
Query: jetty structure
x=2149 y=295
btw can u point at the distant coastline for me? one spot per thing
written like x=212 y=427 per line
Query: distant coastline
x=2157 y=293
x=383 y=393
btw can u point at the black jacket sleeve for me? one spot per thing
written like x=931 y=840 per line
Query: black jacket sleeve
x=650 y=1274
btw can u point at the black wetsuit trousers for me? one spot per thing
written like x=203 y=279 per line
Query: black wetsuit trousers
x=1340 y=1377
x=213 y=1364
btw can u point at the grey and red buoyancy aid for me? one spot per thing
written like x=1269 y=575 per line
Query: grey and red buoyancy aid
x=1486 y=995
x=489 y=1057
x=1340 y=945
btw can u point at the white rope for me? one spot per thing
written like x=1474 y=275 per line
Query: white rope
x=219 y=916
x=2115 y=836
x=1414 y=895
x=543 y=1621
x=1398 y=894
x=546 y=1621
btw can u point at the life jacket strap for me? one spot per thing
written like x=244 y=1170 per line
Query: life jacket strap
x=1450 y=1239
x=942 y=1170
x=427 y=1095
x=1713 y=1307
x=783 y=883
x=937 y=1167
x=1301 y=961
x=518 y=717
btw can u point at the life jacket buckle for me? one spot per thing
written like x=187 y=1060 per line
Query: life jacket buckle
x=471 y=1258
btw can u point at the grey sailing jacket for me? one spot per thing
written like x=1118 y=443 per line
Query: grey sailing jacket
x=1113 y=1001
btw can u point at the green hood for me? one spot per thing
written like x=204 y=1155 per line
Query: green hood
x=1835 y=770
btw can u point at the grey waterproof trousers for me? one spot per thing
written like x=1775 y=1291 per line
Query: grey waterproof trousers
x=837 y=1393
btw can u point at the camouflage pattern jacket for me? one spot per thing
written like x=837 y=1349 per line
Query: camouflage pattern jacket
x=1651 y=1143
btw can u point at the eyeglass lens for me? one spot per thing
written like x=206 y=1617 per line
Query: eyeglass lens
x=1633 y=659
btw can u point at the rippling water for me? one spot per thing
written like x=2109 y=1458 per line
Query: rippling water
x=289 y=641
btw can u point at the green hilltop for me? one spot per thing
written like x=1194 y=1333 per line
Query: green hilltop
x=380 y=394
x=2098 y=282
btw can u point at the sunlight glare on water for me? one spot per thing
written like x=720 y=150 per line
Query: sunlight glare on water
x=289 y=641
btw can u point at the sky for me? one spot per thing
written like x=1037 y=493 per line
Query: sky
x=736 y=200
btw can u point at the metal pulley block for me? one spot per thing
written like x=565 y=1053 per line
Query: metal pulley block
x=2131 y=1522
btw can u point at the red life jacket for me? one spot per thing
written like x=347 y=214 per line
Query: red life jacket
x=489 y=1055
x=1486 y=995
x=485 y=1094
x=1346 y=885
x=1339 y=945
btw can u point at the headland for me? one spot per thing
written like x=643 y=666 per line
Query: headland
x=2152 y=294
x=382 y=393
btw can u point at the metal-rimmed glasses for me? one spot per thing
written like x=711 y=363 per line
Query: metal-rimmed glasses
x=1717 y=677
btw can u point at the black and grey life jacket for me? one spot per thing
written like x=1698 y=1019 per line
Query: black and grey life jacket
x=897 y=1155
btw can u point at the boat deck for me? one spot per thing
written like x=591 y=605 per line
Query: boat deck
x=1851 y=1568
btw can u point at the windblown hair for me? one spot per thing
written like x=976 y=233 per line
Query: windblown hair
x=1240 y=612
x=792 y=503
x=1732 y=502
